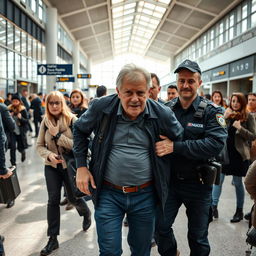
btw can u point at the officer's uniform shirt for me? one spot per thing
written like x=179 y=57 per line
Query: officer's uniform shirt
x=203 y=137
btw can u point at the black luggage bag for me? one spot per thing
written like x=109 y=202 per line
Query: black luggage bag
x=9 y=188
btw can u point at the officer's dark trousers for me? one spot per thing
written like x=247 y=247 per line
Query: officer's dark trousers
x=54 y=178
x=197 y=200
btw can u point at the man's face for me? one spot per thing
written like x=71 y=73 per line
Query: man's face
x=172 y=93
x=252 y=101
x=188 y=83
x=154 y=90
x=24 y=93
x=133 y=97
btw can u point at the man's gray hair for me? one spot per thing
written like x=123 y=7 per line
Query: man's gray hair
x=133 y=74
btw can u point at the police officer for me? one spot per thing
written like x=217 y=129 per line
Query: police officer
x=204 y=136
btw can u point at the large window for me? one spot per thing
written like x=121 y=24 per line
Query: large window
x=238 y=21
x=2 y=31
x=3 y=62
x=10 y=35
x=253 y=14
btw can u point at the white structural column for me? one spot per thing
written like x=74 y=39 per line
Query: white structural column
x=51 y=45
x=254 y=83
x=76 y=63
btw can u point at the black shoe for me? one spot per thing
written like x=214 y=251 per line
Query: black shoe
x=23 y=156
x=2 y=239
x=64 y=201
x=87 y=221
x=215 y=213
x=238 y=216
x=247 y=216
x=50 y=247
x=126 y=222
x=10 y=204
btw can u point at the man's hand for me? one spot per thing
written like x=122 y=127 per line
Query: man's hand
x=164 y=147
x=83 y=179
x=7 y=175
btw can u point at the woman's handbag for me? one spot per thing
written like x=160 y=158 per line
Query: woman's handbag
x=251 y=236
x=71 y=170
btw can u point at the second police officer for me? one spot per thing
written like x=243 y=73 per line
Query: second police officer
x=204 y=137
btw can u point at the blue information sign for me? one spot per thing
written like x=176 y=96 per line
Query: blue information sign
x=65 y=79
x=54 y=69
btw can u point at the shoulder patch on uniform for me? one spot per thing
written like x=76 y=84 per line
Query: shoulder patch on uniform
x=221 y=120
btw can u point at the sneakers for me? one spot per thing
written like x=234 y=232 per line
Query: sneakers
x=215 y=213
x=50 y=247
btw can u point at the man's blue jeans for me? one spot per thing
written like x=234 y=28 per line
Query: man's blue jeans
x=197 y=200
x=109 y=213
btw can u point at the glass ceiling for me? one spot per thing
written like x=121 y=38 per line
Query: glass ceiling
x=134 y=23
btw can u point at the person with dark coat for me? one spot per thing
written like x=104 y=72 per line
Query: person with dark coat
x=4 y=172
x=125 y=174
x=9 y=126
x=36 y=105
x=8 y=99
x=204 y=138
x=18 y=136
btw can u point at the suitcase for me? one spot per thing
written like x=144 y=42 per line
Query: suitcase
x=9 y=188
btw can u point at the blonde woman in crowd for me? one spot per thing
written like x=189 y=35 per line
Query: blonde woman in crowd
x=55 y=139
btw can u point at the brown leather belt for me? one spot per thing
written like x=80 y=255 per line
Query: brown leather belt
x=128 y=189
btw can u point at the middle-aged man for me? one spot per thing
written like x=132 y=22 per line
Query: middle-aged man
x=172 y=92
x=155 y=89
x=204 y=137
x=125 y=175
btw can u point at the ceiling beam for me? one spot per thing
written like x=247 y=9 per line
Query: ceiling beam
x=182 y=24
x=110 y=26
x=89 y=25
x=211 y=23
x=197 y=9
x=82 y=10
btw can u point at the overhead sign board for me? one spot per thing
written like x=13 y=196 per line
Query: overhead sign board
x=84 y=76
x=242 y=67
x=62 y=90
x=65 y=79
x=93 y=85
x=54 y=69
x=219 y=73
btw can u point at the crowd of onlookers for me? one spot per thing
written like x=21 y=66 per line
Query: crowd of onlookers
x=20 y=110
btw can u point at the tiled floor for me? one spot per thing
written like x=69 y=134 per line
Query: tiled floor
x=24 y=225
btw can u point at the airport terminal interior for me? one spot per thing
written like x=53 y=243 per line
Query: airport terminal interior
x=62 y=45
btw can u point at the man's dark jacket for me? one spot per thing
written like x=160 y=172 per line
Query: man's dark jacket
x=2 y=149
x=36 y=105
x=160 y=120
x=7 y=119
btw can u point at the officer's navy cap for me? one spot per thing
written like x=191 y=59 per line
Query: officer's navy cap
x=190 y=65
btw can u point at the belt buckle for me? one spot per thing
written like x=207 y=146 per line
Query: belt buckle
x=123 y=188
